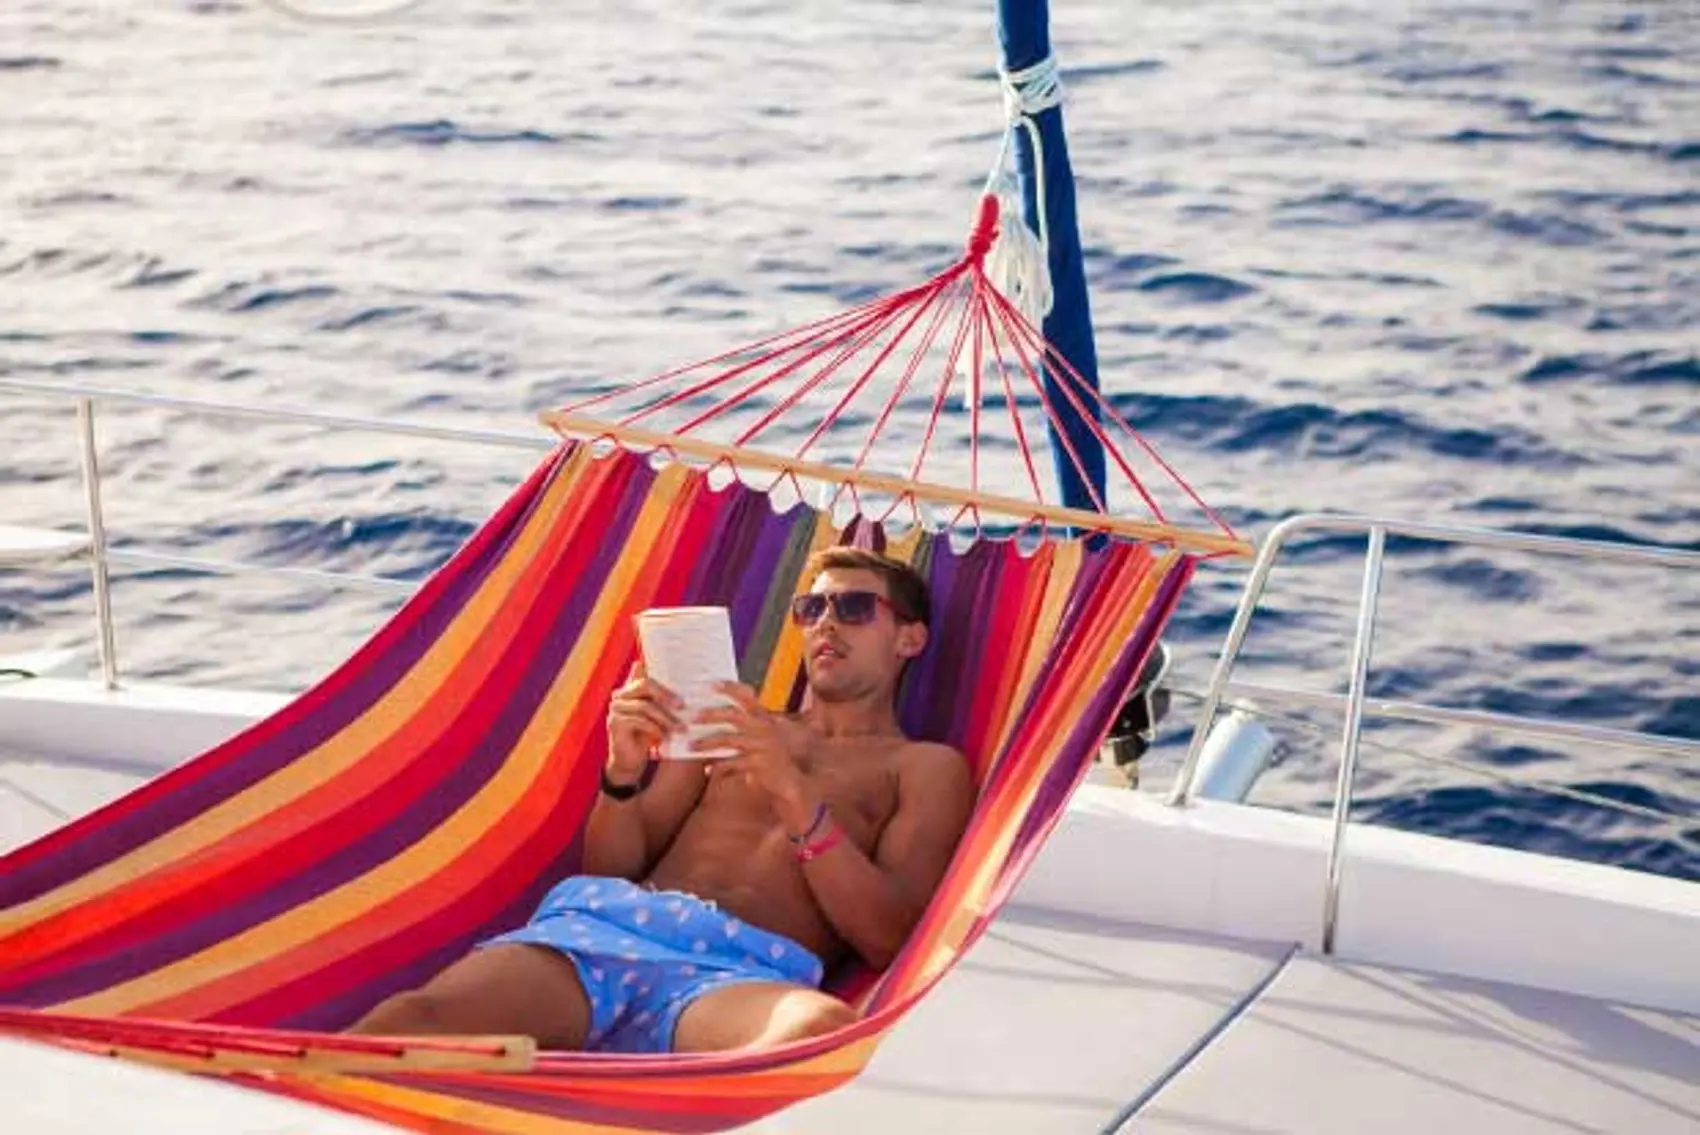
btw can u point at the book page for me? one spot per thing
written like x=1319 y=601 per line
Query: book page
x=689 y=650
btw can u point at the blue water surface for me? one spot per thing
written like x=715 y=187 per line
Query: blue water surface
x=1434 y=260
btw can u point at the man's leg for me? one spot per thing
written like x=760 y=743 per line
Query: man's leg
x=503 y=989
x=757 y=1014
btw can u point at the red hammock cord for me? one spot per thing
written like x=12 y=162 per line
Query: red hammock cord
x=878 y=350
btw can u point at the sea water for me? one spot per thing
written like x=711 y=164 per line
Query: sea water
x=1433 y=260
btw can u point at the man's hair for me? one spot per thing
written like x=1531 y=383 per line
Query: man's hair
x=903 y=584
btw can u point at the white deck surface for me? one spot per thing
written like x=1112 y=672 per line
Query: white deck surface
x=1048 y=1024
x=1335 y=1047
x=38 y=795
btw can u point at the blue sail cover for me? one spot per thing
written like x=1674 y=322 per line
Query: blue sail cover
x=1024 y=30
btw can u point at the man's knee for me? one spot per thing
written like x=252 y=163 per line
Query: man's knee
x=823 y=1015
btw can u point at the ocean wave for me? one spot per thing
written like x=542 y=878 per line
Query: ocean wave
x=1349 y=206
x=446 y=132
x=241 y=297
x=1532 y=820
x=1322 y=432
x=1631 y=368
x=401 y=545
x=1483 y=580
x=21 y=63
x=1195 y=287
x=1581 y=141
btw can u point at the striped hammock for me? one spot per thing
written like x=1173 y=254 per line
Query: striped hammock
x=231 y=915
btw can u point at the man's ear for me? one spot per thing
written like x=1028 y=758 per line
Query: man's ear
x=911 y=639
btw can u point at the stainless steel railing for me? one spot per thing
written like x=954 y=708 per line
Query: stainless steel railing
x=101 y=555
x=1357 y=704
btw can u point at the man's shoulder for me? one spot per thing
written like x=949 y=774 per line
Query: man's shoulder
x=913 y=750
x=931 y=758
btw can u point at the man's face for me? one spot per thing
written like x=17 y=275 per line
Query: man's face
x=846 y=661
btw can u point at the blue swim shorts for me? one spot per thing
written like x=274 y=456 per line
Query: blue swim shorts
x=643 y=956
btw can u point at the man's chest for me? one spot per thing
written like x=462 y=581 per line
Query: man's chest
x=862 y=794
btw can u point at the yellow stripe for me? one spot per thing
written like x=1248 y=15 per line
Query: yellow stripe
x=504 y=794
x=906 y=546
x=484 y=1116
x=422 y=684
x=1066 y=560
x=835 y=1064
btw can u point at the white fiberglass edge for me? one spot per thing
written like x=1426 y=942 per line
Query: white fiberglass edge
x=1408 y=900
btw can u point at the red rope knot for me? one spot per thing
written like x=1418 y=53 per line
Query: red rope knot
x=985 y=229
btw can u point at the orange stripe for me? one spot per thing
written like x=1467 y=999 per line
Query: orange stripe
x=282 y=818
x=417 y=897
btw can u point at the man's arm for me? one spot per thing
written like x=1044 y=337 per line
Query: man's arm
x=874 y=902
x=623 y=838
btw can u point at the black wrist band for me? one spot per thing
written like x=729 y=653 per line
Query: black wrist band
x=616 y=791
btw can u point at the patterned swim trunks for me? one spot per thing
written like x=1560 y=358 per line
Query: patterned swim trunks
x=644 y=956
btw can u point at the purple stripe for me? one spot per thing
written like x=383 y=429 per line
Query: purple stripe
x=709 y=581
x=957 y=682
x=449 y=586
x=726 y=556
x=1083 y=740
x=919 y=714
x=468 y=769
x=755 y=582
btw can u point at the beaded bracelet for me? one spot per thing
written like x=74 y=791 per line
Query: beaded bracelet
x=814 y=826
x=810 y=851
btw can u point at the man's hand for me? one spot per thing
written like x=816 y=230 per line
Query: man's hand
x=640 y=715
x=767 y=748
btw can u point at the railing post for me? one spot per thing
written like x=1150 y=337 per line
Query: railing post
x=97 y=544
x=1361 y=646
x=1259 y=578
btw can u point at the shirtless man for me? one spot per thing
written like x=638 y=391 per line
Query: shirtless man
x=717 y=893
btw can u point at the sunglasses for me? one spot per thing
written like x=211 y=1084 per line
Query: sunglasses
x=852 y=608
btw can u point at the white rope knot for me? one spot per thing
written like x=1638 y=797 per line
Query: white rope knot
x=1031 y=90
x=1019 y=262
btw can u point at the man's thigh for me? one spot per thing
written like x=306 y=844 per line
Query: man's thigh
x=757 y=1014
x=514 y=988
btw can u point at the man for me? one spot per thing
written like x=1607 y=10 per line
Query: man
x=718 y=892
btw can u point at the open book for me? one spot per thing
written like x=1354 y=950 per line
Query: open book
x=689 y=650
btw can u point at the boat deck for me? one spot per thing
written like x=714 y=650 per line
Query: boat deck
x=1069 y=1024
x=1058 y=1023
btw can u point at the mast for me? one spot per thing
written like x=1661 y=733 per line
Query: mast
x=1024 y=32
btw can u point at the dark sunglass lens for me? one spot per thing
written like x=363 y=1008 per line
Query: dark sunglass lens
x=855 y=606
x=808 y=608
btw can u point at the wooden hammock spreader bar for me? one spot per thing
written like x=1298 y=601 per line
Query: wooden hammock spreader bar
x=518 y=1054
x=214 y=1049
x=1206 y=543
